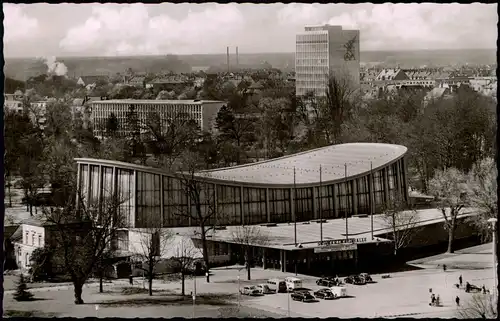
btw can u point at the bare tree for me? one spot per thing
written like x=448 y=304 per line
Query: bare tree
x=186 y=255
x=202 y=207
x=249 y=236
x=448 y=186
x=482 y=195
x=82 y=234
x=170 y=137
x=340 y=94
x=153 y=242
x=401 y=222
x=480 y=306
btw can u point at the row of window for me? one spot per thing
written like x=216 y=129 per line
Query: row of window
x=33 y=238
x=235 y=205
x=317 y=37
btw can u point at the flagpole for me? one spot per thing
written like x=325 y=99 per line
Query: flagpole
x=295 y=216
x=294 y=207
x=320 y=205
x=346 y=203
x=372 y=197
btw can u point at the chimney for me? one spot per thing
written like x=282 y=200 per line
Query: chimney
x=237 y=58
x=227 y=59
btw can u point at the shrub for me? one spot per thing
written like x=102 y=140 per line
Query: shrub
x=22 y=293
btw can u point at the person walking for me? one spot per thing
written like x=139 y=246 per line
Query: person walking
x=457 y=301
x=438 y=300
x=444 y=267
x=460 y=280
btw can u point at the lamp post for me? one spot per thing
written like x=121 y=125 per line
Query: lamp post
x=288 y=303
x=194 y=296
x=239 y=288
x=493 y=222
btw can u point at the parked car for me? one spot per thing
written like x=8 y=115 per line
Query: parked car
x=354 y=279
x=325 y=294
x=366 y=277
x=250 y=290
x=325 y=282
x=293 y=283
x=278 y=285
x=264 y=289
x=339 y=291
x=303 y=296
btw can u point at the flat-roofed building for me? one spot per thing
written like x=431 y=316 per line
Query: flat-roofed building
x=322 y=51
x=203 y=112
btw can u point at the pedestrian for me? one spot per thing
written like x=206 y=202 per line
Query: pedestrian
x=457 y=301
x=467 y=287
x=444 y=267
x=460 y=280
x=484 y=289
x=438 y=300
x=433 y=299
x=131 y=279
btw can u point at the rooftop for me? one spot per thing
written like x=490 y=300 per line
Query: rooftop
x=354 y=158
x=281 y=236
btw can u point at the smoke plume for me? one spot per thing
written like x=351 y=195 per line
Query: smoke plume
x=55 y=67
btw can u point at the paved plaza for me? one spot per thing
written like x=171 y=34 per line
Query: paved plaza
x=404 y=294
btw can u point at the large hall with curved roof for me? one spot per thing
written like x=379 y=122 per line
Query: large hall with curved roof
x=326 y=183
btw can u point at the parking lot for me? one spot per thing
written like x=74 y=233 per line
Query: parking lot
x=403 y=294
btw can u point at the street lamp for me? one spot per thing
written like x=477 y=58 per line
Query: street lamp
x=194 y=296
x=493 y=222
x=239 y=289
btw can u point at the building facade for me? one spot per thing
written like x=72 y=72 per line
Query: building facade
x=203 y=112
x=325 y=50
x=356 y=179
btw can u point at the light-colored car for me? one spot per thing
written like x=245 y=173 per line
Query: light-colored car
x=264 y=289
x=250 y=290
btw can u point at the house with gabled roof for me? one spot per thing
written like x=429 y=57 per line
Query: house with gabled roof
x=391 y=74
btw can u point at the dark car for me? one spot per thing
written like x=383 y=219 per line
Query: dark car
x=325 y=294
x=303 y=296
x=325 y=282
x=366 y=277
x=354 y=279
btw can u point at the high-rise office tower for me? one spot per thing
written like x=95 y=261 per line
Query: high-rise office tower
x=325 y=50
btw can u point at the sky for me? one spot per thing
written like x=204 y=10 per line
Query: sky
x=41 y=29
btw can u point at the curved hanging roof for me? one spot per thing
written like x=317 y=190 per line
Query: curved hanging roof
x=358 y=158
x=337 y=162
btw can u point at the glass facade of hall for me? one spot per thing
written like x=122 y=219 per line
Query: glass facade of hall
x=144 y=195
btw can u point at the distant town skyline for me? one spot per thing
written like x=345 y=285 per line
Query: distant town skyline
x=35 y=30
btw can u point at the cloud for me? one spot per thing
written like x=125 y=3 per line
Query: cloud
x=17 y=25
x=130 y=29
x=417 y=26
x=299 y=13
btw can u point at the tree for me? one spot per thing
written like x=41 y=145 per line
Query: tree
x=153 y=242
x=83 y=232
x=22 y=293
x=401 y=222
x=482 y=194
x=112 y=125
x=41 y=263
x=58 y=119
x=135 y=146
x=186 y=255
x=236 y=128
x=448 y=188
x=249 y=236
x=171 y=137
x=480 y=306
x=201 y=196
